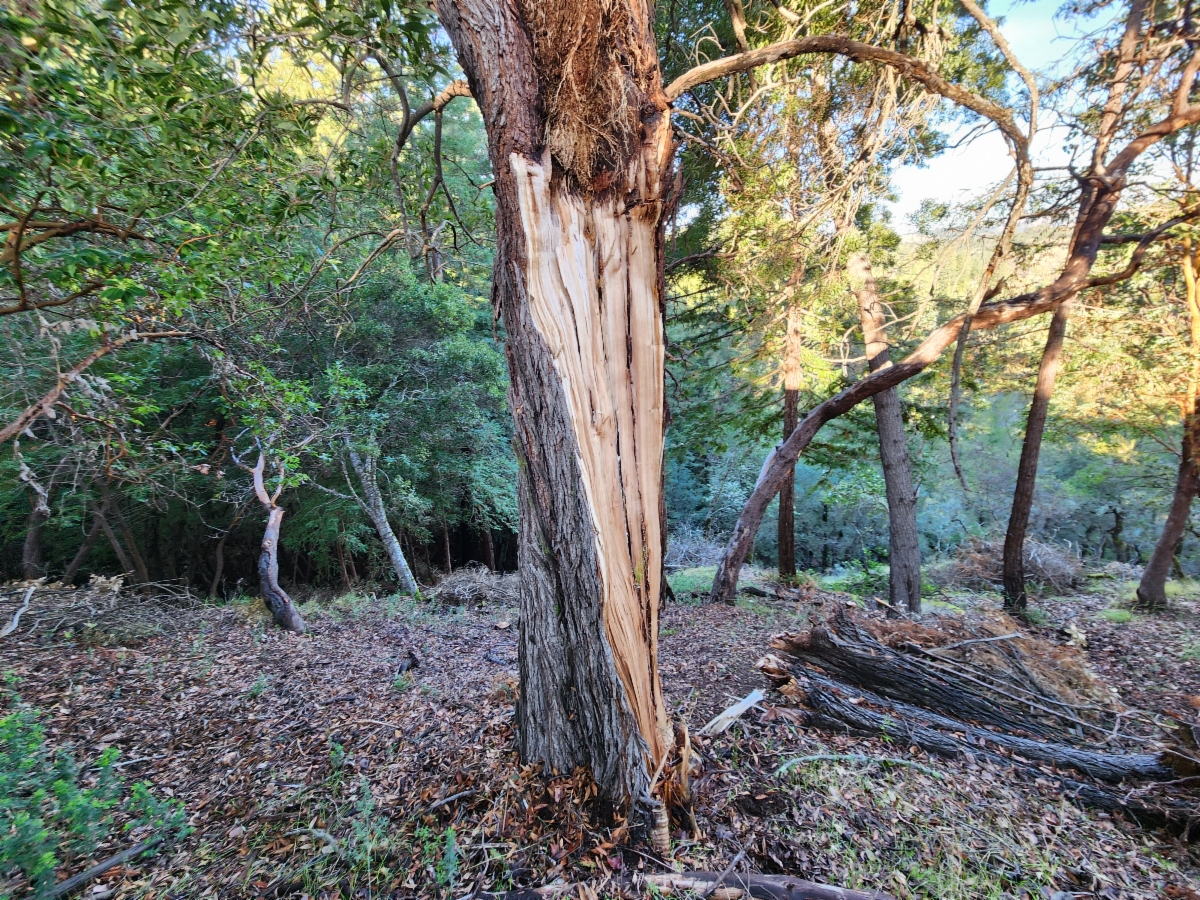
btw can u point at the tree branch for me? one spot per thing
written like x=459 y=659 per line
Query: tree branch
x=21 y=422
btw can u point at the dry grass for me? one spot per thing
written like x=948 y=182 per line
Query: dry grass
x=476 y=584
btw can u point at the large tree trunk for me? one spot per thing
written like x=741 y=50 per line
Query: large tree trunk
x=1152 y=589
x=904 y=542
x=1018 y=520
x=791 y=415
x=372 y=503
x=579 y=140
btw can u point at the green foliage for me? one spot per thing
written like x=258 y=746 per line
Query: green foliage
x=53 y=811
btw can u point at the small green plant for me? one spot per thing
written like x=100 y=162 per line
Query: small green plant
x=51 y=812
x=261 y=683
x=1117 y=616
x=403 y=682
x=1035 y=616
x=1191 y=652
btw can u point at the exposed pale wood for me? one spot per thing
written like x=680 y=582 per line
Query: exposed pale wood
x=592 y=293
x=721 y=722
x=15 y=621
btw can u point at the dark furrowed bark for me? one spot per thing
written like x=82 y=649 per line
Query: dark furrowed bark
x=787 y=493
x=904 y=548
x=1152 y=588
x=1035 y=427
x=588 y=589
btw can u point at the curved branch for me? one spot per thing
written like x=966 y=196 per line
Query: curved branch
x=908 y=66
x=436 y=105
x=21 y=422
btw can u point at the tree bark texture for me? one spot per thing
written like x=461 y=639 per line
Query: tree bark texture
x=1152 y=589
x=275 y=597
x=372 y=502
x=1015 y=596
x=791 y=416
x=579 y=139
x=904 y=542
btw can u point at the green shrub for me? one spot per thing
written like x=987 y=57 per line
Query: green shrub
x=49 y=811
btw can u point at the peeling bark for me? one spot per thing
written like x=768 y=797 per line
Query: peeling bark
x=275 y=597
x=579 y=141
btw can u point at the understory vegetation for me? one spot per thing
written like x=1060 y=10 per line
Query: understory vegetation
x=502 y=450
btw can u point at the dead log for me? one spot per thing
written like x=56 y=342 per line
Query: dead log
x=831 y=708
x=700 y=884
x=849 y=654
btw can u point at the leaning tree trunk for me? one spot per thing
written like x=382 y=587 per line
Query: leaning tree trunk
x=579 y=139
x=372 y=504
x=1018 y=521
x=275 y=597
x=791 y=416
x=1152 y=589
x=904 y=547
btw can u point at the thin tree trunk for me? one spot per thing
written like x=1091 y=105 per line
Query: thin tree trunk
x=31 y=550
x=106 y=526
x=341 y=558
x=1018 y=521
x=904 y=542
x=446 y=548
x=139 y=561
x=220 y=552
x=85 y=549
x=372 y=503
x=489 y=550
x=1152 y=589
x=275 y=597
x=580 y=142
x=791 y=415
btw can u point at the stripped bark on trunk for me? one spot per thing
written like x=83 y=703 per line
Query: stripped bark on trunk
x=579 y=139
x=904 y=542
x=1035 y=427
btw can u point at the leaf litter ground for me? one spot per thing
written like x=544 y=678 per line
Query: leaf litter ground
x=329 y=766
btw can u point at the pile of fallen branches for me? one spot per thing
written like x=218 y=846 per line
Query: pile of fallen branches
x=476 y=584
x=945 y=698
x=103 y=606
x=978 y=565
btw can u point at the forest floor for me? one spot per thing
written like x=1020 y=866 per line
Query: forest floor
x=308 y=767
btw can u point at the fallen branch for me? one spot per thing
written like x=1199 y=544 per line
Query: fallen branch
x=77 y=881
x=722 y=721
x=16 y=619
